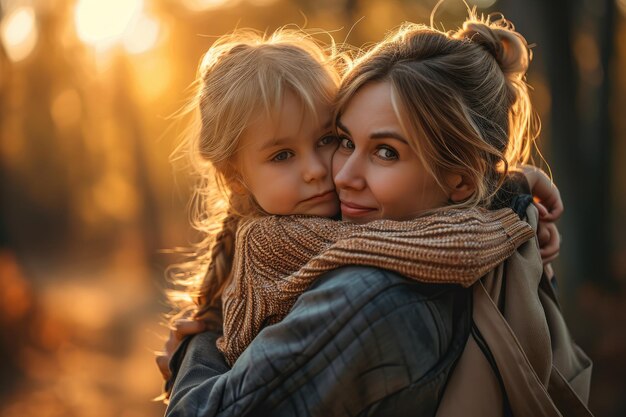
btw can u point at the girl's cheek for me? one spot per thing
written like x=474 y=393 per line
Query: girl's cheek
x=327 y=157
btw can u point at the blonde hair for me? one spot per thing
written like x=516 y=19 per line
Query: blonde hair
x=460 y=97
x=242 y=74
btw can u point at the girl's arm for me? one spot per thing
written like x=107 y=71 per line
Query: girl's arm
x=279 y=257
x=182 y=329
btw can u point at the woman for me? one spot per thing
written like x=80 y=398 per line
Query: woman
x=426 y=120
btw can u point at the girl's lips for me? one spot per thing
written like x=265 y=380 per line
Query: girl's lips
x=354 y=210
x=328 y=195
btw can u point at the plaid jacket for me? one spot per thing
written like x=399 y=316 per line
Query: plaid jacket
x=360 y=342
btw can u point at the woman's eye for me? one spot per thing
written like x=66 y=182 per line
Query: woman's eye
x=388 y=154
x=282 y=156
x=347 y=143
x=327 y=140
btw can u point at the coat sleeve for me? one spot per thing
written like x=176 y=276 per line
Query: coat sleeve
x=360 y=341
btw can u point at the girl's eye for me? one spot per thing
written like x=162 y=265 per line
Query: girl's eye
x=388 y=154
x=326 y=140
x=282 y=156
x=346 y=143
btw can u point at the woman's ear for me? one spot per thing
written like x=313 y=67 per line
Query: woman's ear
x=461 y=187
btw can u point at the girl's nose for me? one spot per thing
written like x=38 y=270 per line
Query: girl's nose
x=348 y=173
x=316 y=168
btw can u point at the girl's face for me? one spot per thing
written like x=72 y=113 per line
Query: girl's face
x=285 y=161
x=376 y=173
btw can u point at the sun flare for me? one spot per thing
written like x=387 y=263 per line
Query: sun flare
x=19 y=33
x=103 y=24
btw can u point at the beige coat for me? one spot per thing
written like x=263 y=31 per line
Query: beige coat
x=516 y=313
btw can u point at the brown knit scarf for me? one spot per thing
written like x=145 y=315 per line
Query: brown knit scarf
x=278 y=257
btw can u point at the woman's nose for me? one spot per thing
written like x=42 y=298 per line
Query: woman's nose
x=348 y=172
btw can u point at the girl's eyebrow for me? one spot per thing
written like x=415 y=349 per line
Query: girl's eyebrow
x=274 y=142
x=385 y=134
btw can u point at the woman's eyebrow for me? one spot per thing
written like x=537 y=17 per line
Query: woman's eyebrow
x=342 y=127
x=385 y=134
x=388 y=134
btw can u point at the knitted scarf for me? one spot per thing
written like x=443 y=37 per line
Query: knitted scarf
x=278 y=257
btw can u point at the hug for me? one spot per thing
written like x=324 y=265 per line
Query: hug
x=371 y=243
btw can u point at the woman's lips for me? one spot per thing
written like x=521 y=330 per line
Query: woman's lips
x=354 y=210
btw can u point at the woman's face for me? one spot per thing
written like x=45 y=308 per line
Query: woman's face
x=377 y=175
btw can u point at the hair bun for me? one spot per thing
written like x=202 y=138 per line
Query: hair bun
x=508 y=47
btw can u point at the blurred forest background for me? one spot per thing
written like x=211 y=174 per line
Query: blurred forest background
x=90 y=199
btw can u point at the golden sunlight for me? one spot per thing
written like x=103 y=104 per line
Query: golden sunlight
x=66 y=109
x=142 y=36
x=102 y=24
x=202 y=5
x=261 y=3
x=19 y=33
x=149 y=83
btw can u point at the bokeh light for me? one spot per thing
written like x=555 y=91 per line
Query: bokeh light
x=142 y=36
x=101 y=23
x=19 y=33
x=587 y=56
x=483 y=4
x=202 y=5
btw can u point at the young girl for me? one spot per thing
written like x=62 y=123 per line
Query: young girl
x=256 y=95
x=266 y=135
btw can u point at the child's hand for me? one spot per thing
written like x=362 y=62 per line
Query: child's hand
x=182 y=328
x=549 y=241
x=548 y=201
x=547 y=197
